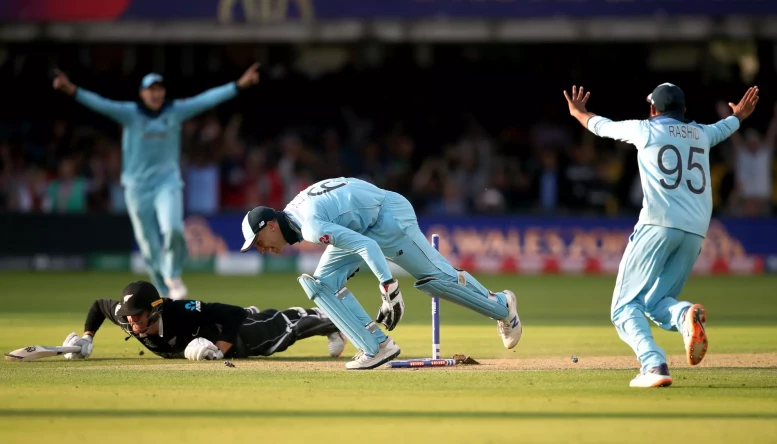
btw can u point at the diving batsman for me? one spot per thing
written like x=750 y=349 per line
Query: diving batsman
x=198 y=330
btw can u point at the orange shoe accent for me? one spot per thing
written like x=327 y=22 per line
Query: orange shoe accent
x=663 y=382
x=694 y=333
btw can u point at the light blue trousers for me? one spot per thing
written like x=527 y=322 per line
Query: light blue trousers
x=402 y=242
x=652 y=273
x=157 y=220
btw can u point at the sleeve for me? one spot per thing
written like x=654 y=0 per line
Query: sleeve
x=121 y=112
x=630 y=131
x=722 y=130
x=329 y=233
x=229 y=317
x=101 y=309
x=188 y=108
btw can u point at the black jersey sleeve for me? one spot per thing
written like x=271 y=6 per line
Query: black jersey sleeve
x=100 y=310
x=228 y=317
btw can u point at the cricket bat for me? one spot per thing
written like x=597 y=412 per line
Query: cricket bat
x=34 y=352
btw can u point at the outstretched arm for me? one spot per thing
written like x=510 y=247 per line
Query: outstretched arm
x=724 y=112
x=188 y=108
x=627 y=131
x=576 y=102
x=120 y=112
x=718 y=132
x=322 y=231
x=100 y=310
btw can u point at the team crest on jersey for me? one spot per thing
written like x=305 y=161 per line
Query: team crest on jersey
x=325 y=239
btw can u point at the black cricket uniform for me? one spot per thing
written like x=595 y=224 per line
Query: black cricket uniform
x=251 y=334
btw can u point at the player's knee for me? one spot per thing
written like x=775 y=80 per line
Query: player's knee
x=622 y=313
x=460 y=277
x=614 y=314
x=312 y=286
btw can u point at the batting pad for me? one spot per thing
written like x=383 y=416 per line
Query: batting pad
x=346 y=313
x=463 y=293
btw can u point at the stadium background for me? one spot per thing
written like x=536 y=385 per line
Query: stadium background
x=455 y=104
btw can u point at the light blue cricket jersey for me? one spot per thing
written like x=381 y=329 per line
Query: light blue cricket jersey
x=338 y=212
x=151 y=142
x=674 y=166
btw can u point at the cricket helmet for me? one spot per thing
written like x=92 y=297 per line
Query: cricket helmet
x=137 y=297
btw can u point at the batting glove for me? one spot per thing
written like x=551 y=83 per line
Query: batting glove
x=84 y=342
x=201 y=349
x=393 y=306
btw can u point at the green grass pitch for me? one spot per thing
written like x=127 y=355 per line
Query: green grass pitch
x=531 y=394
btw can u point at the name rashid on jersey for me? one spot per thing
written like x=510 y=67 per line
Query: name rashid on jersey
x=684 y=131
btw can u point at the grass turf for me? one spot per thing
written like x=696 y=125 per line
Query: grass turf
x=124 y=396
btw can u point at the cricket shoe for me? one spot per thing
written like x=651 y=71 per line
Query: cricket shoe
x=694 y=335
x=654 y=377
x=253 y=309
x=510 y=328
x=178 y=290
x=336 y=344
x=362 y=361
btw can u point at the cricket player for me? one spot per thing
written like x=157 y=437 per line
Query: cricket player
x=198 y=330
x=673 y=155
x=363 y=224
x=151 y=176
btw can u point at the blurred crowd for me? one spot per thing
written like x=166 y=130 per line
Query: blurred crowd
x=547 y=168
x=482 y=157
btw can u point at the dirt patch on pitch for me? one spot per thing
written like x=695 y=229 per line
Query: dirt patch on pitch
x=740 y=360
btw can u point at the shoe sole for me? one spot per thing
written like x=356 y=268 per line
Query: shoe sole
x=515 y=298
x=382 y=361
x=665 y=382
x=696 y=348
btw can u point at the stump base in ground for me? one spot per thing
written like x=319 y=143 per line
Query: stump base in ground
x=465 y=360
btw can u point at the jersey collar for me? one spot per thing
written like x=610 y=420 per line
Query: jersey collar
x=150 y=113
x=672 y=115
x=289 y=229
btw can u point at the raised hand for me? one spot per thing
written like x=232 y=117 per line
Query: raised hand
x=62 y=83
x=577 y=100
x=746 y=106
x=250 y=77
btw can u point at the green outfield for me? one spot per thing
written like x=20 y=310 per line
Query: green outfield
x=531 y=394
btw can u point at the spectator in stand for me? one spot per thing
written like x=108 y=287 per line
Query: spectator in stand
x=547 y=181
x=753 y=159
x=263 y=184
x=371 y=166
x=67 y=193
